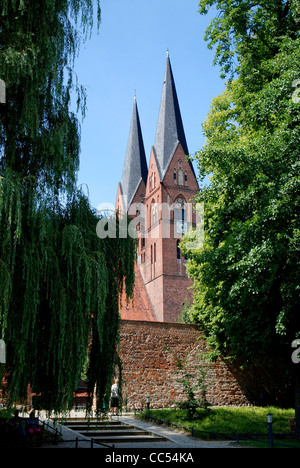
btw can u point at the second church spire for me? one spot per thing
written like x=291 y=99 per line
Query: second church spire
x=169 y=130
x=135 y=166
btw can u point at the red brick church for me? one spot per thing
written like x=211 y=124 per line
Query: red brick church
x=158 y=197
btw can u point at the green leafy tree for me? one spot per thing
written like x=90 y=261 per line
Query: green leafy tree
x=191 y=404
x=59 y=283
x=184 y=316
x=246 y=274
x=245 y=33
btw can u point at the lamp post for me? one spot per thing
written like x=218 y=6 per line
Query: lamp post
x=270 y=430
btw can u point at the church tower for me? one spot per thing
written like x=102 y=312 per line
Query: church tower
x=162 y=193
x=132 y=187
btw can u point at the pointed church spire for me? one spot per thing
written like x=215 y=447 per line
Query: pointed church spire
x=135 y=166
x=169 y=126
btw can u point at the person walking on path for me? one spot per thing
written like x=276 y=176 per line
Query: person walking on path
x=114 y=398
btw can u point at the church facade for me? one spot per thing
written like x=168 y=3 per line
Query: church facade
x=158 y=197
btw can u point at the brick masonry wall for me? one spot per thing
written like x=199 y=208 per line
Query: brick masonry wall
x=147 y=351
x=176 y=292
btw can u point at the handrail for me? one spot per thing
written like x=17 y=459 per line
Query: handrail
x=76 y=440
x=57 y=431
x=92 y=442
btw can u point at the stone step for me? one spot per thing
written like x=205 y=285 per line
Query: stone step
x=85 y=422
x=129 y=438
x=97 y=427
x=114 y=433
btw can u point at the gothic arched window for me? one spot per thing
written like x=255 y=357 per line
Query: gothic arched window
x=178 y=250
x=180 y=177
x=153 y=208
x=179 y=209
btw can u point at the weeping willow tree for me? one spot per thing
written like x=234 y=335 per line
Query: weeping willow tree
x=59 y=283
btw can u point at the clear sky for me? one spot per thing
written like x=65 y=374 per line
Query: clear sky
x=128 y=56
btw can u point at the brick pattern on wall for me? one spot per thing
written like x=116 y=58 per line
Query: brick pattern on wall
x=147 y=351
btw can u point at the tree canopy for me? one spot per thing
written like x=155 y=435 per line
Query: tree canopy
x=245 y=33
x=59 y=283
x=246 y=274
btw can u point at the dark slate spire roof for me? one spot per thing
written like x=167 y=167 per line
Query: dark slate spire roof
x=169 y=130
x=135 y=166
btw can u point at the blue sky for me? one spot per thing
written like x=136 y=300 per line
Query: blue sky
x=127 y=54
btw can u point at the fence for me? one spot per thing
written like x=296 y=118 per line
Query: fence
x=89 y=442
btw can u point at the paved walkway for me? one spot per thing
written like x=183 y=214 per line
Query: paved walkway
x=175 y=438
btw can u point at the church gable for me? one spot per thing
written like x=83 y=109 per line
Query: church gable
x=179 y=174
x=153 y=180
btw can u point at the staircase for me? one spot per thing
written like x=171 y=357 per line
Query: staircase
x=111 y=432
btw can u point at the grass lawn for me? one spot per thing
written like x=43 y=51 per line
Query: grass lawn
x=229 y=420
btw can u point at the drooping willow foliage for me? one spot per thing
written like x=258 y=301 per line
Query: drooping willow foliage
x=59 y=283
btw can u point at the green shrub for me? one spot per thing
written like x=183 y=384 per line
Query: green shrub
x=229 y=420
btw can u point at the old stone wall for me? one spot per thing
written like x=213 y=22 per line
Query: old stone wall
x=148 y=351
